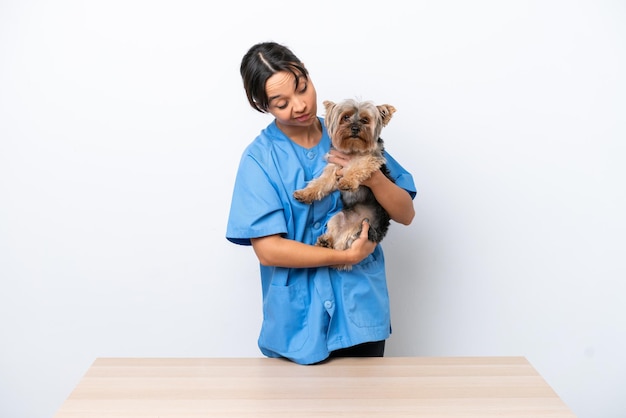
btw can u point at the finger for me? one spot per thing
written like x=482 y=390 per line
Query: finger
x=365 y=228
x=332 y=155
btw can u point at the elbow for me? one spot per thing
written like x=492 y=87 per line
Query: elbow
x=263 y=259
x=267 y=250
x=262 y=254
x=406 y=218
x=407 y=221
x=404 y=210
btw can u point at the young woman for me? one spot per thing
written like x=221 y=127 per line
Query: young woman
x=311 y=311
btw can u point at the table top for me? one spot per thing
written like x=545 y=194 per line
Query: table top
x=343 y=387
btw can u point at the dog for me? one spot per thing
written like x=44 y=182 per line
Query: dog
x=354 y=128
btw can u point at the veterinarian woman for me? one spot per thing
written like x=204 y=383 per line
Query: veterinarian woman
x=311 y=311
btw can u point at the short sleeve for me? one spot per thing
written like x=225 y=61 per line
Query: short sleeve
x=256 y=209
x=401 y=177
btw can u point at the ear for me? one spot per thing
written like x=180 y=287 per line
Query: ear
x=329 y=118
x=328 y=105
x=385 y=113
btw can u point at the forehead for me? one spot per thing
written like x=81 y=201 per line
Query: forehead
x=280 y=84
x=358 y=109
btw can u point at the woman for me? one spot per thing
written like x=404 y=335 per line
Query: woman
x=311 y=311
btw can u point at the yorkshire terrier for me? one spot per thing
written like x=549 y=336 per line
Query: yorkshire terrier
x=354 y=128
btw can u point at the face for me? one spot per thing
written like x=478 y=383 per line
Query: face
x=355 y=126
x=292 y=106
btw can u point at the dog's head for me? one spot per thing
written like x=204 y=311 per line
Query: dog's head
x=354 y=127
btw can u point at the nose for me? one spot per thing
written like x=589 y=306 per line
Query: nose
x=299 y=105
x=354 y=128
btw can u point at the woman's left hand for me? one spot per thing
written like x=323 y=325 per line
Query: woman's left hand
x=338 y=158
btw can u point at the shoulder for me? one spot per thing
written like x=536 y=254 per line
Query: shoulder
x=268 y=139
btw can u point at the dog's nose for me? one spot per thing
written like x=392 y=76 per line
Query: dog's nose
x=355 y=129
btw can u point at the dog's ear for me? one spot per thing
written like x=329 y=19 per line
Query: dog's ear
x=328 y=105
x=329 y=119
x=386 y=111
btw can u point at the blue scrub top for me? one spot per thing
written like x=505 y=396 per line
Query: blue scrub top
x=307 y=312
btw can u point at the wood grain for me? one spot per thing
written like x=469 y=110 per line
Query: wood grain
x=344 y=387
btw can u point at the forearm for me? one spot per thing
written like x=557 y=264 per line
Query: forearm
x=275 y=250
x=396 y=201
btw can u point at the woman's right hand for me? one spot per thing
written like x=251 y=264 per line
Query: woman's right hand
x=362 y=246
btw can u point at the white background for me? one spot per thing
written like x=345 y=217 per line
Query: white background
x=122 y=124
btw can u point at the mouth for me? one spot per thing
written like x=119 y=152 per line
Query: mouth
x=303 y=118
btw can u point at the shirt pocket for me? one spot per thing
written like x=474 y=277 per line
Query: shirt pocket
x=365 y=295
x=285 y=308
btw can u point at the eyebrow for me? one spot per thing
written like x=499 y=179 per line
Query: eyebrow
x=298 y=78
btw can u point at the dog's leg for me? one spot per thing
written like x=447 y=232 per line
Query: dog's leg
x=359 y=170
x=319 y=187
x=341 y=231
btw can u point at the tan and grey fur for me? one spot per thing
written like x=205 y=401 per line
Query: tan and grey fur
x=354 y=128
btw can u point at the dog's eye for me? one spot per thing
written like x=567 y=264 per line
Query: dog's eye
x=365 y=121
x=346 y=118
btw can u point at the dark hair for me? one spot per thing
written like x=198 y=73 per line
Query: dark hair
x=261 y=62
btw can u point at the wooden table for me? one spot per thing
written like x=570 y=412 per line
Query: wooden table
x=344 y=387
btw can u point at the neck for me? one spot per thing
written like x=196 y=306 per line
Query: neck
x=305 y=136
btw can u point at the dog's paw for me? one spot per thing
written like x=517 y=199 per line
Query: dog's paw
x=325 y=241
x=303 y=196
x=345 y=184
x=346 y=267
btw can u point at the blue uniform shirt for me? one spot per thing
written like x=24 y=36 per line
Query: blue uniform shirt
x=307 y=312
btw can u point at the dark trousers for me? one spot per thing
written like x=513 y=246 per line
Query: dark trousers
x=372 y=349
